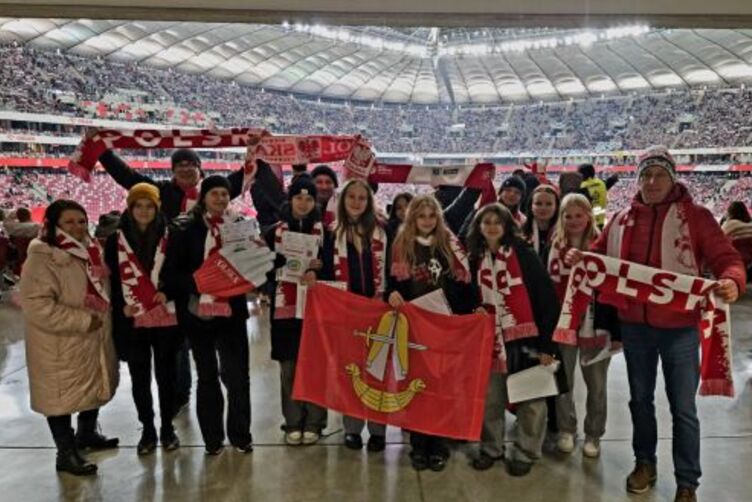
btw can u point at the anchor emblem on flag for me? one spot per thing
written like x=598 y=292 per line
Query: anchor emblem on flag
x=390 y=339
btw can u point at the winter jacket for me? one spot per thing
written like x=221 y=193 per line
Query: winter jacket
x=596 y=188
x=169 y=191
x=268 y=195
x=70 y=369
x=185 y=255
x=123 y=330
x=423 y=281
x=711 y=248
x=285 y=333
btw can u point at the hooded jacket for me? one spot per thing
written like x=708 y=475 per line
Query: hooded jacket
x=711 y=248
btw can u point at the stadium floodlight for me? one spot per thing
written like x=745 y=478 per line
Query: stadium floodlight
x=666 y=80
x=737 y=70
x=584 y=38
x=704 y=76
x=605 y=85
x=636 y=82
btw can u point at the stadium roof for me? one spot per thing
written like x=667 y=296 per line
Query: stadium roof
x=410 y=65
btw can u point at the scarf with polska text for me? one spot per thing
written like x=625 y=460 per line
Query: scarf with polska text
x=358 y=158
x=587 y=336
x=259 y=143
x=286 y=295
x=618 y=278
x=378 y=260
x=504 y=294
x=97 y=297
x=140 y=287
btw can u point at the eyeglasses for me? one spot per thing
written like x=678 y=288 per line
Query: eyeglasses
x=656 y=176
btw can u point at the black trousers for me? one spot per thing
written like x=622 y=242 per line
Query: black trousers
x=164 y=345
x=61 y=427
x=225 y=339
x=182 y=374
x=428 y=445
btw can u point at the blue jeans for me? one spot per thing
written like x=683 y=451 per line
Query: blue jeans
x=680 y=359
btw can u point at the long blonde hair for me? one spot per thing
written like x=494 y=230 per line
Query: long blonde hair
x=405 y=243
x=560 y=238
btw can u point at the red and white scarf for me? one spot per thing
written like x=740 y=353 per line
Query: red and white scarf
x=97 y=296
x=504 y=295
x=286 y=294
x=140 y=287
x=587 y=336
x=557 y=269
x=623 y=280
x=378 y=257
x=358 y=158
x=263 y=145
x=190 y=197
x=208 y=305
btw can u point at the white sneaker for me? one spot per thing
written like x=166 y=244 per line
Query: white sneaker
x=565 y=443
x=294 y=438
x=311 y=437
x=591 y=448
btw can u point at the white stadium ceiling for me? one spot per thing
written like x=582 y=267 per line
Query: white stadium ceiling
x=417 y=65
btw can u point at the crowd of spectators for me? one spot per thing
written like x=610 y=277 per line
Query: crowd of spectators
x=35 y=80
x=32 y=187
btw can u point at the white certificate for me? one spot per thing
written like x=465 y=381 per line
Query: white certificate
x=532 y=383
x=237 y=231
x=298 y=250
x=300 y=299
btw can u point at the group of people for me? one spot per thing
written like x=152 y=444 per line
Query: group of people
x=137 y=299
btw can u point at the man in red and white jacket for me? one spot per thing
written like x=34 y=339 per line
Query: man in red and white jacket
x=665 y=229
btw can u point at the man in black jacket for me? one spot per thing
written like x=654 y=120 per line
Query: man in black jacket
x=179 y=193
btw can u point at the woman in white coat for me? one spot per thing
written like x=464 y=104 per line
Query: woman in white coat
x=70 y=354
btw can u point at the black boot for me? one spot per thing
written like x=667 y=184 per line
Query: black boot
x=148 y=442
x=88 y=437
x=70 y=461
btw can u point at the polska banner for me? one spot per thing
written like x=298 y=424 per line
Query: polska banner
x=357 y=154
x=410 y=368
x=619 y=280
x=262 y=145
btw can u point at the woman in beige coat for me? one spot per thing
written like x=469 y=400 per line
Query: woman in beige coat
x=70 y=354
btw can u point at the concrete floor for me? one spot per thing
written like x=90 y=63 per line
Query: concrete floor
x=328 y=471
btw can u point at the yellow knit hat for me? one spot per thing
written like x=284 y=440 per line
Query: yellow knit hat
x=143 y=191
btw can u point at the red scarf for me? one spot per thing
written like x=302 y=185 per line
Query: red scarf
x=140 y=287
x=504 y=295
x=97 y=297
x=378 y=257
x=190 y=196
x=286 y=294
x=622 y=279
x=208 y=305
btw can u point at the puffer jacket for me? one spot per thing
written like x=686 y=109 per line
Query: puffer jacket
x=711 y=248
x=70 y=369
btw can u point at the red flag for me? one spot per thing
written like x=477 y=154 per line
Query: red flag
x=412 y=368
